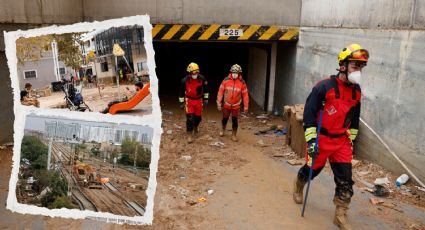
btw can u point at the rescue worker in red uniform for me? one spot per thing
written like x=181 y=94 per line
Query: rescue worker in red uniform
x=339 y=98
x=193 y=96
x=233 y=89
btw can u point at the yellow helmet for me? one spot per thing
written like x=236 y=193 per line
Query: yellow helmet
x=192 y=67
x=353 y=52
x=236 y=69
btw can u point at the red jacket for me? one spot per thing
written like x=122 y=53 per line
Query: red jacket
x=233 y=91
x=342 y=106
x=193 y=88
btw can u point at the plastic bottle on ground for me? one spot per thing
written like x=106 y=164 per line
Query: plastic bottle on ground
x=401 y=180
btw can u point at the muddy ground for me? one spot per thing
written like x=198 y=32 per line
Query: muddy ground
x=250 y=185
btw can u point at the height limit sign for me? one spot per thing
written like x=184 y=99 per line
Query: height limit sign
x=231 y=32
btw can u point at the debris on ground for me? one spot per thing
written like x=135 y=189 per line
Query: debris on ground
x=186 y=158
x=2 y=147
x=420 y=188
x=210 y=192
x=382 y=181
x=212 y=121
x=217 y=144
x=177 y=126
x=202 y=199
x=166 y=112
x=169 y=132
x=381 y=191
x=264 y=116
x=261 y=143
x=376 y=201
x=271 y=132
x=295 y=162
x=9 y=144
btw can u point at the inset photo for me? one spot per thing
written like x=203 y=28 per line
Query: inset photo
x=99 y=70
x=83 y=165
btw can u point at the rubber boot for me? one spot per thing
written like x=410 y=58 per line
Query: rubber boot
x=298 y=194
x=223 y=129
x=189 y=137
x=234 y=138
x=340 y=218
x=195 y=131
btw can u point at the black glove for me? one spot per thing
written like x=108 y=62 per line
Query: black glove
x=182 y=105
x=312 y=148
x=205 y=102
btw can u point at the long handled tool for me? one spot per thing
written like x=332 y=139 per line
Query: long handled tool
x=319 y=126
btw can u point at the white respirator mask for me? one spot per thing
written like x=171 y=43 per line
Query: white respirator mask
x=235 y=75
x=354 y=77
x=194 y=76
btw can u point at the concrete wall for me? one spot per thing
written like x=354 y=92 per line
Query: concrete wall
x=274 y=12
x=392 y=85
x=257 y=73
x=377 y=14
x=41 y=12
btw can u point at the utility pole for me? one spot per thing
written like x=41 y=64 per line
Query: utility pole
x=49 y=153
x=135 y=158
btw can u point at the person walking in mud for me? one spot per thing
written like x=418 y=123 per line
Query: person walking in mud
x=337 y=98
x=192 y=97
x=233 y=90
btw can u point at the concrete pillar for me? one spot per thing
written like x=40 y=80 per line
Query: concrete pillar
x=257 y=75
x=272 y=77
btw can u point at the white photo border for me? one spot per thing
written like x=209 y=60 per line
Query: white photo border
x=153 y=120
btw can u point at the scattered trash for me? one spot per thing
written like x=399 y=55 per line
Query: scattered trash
x=420 y=188
x=186 y=158
x=210 y=192
x=9 y=144
x=278 y=132
x=376 y=201
x=279 y=155
x=202 y=199
x=218 y=144
x=2 y=147
x=169 y=132
x=382 y=181
x=401 y=180
x=295 y=162
x=381 y=191
x=363 y=173
x=177 y=126
x=166 y=112
x=368 y=189
x=212 y=121
x=262 y=117
x=191 y=202
x=182 y=177
x=261 y=143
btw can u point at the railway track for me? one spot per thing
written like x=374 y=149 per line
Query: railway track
x=81 y=199
x=134 y=205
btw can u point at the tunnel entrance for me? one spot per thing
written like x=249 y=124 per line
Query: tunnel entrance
x=214 y=60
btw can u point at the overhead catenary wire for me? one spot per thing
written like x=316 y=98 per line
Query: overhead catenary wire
x=393 y=154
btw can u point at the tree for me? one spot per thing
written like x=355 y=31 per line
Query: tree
x=32 y=148
x=33 y=48
x=143 y=157
x=69 y=49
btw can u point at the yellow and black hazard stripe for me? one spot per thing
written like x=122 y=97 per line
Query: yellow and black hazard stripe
x=196 y=32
